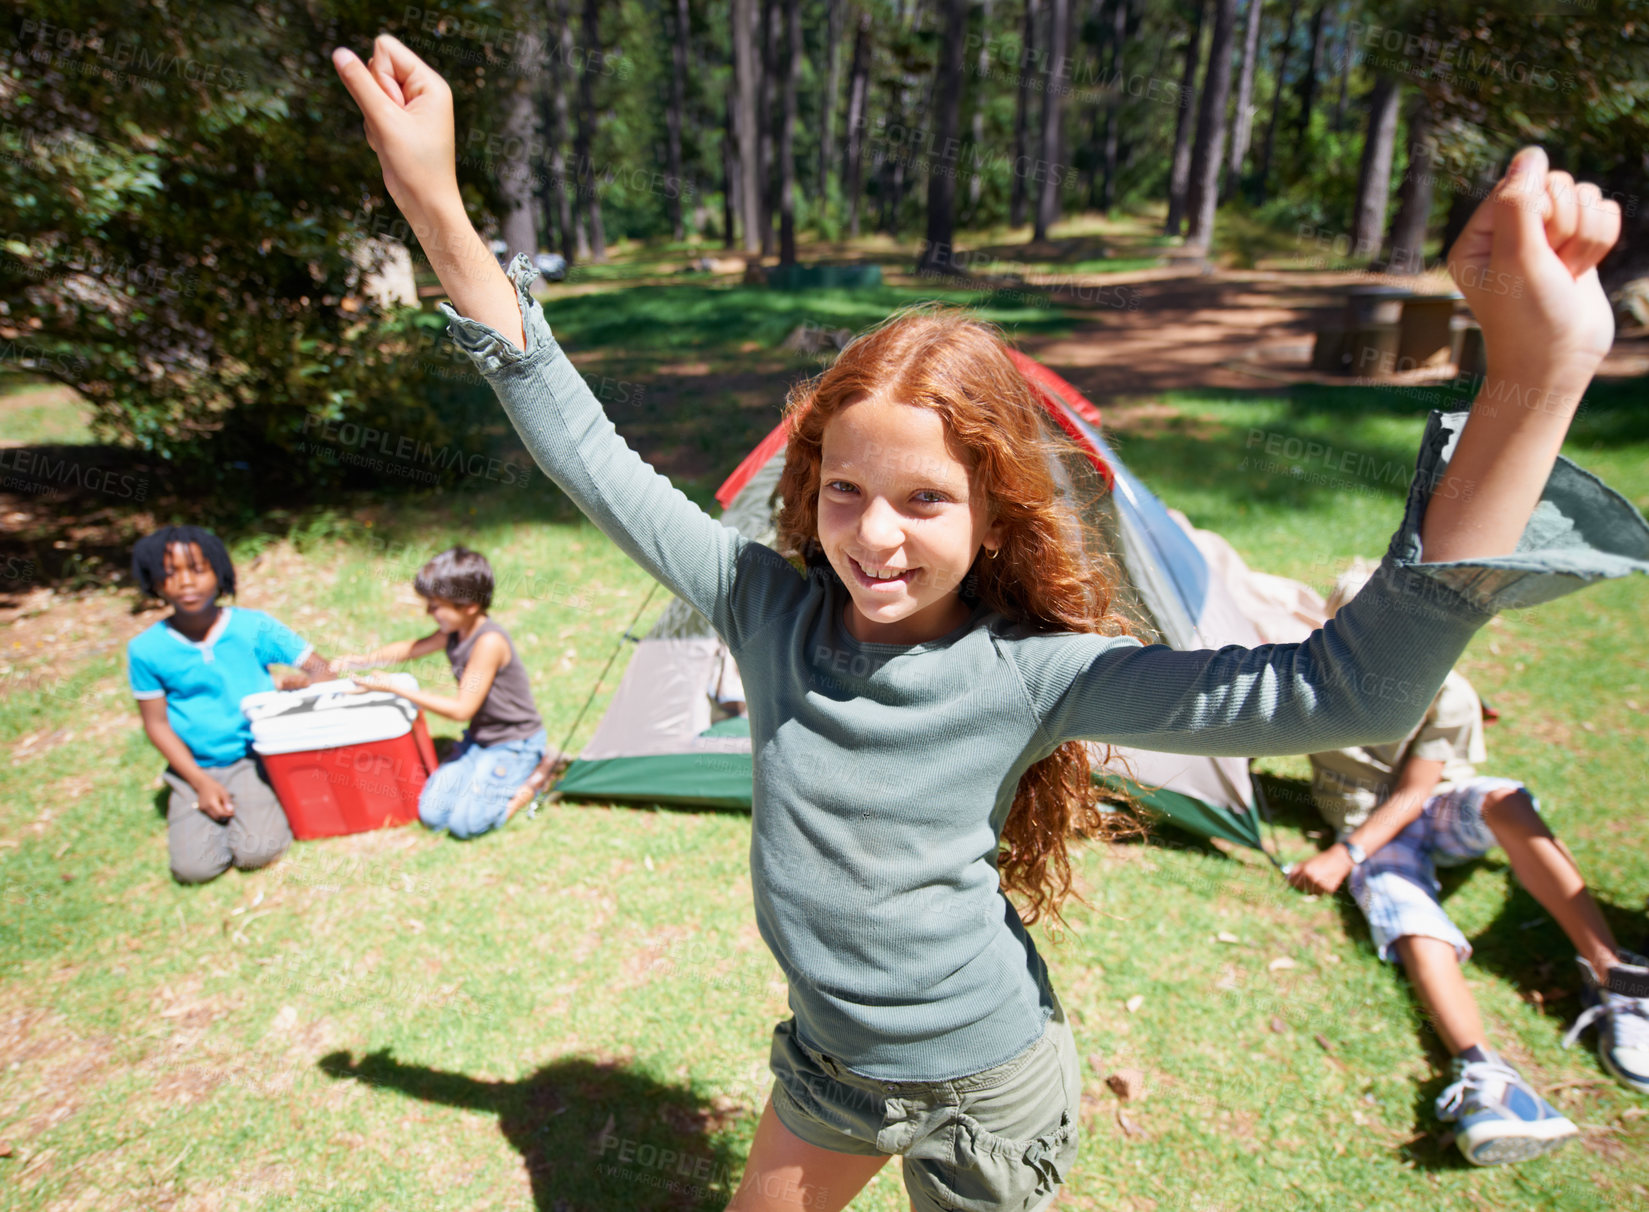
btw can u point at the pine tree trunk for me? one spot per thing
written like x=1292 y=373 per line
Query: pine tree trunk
x=1113 y=115
x=1096 y=119
x=766 y=111
x=938 y=254
x=673 y=115
x=858 y=95
x=1179 y=173
x=832 y=91
x=731 y=198
x=1263 y=179
x=560 y=196
x=747 y=84
x=1053 y=163
x=787 y=135
x=577 y=172
x=1022 y=113
x=982 y=68
x=1209 y=151
x=1406 y=244
x=1308 y=83
x=591 y=32
x=1374 y=175
x=551 y=193
x=893 y=164
x=1242 y=123
x=1343 y=66
x=518 y=225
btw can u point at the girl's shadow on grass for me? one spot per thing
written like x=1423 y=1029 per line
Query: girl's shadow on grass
x=593 y=1134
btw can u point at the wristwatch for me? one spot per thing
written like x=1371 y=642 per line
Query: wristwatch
x=1359 y=856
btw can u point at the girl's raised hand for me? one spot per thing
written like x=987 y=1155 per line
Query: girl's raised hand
x=1527 y=264
x=407 y=108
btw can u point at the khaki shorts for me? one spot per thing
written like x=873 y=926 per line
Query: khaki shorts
x=1004 y=1138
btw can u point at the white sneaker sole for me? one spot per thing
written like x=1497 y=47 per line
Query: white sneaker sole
x=1626 y=1079
x=1496 y=1144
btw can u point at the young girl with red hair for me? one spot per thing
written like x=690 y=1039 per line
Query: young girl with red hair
x=923 y=660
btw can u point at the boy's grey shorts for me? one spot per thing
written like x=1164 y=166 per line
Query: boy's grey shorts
x=1004 y=1138
x=202 y=848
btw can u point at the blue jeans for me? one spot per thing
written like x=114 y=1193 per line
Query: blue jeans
x=470 y=791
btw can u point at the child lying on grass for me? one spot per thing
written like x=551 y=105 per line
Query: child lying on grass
x=1404 y=808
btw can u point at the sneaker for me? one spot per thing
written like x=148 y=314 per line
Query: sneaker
x=1619 y=1005
x=1501 y=1118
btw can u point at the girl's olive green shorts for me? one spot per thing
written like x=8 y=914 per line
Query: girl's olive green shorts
x=1001 y=1139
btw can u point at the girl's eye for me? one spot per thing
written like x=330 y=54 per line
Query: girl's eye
x=924 y=496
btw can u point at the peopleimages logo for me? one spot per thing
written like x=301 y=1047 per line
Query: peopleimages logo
x=34 y=471
x=363 y=442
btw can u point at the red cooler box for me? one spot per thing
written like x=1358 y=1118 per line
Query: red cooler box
x=342 y=762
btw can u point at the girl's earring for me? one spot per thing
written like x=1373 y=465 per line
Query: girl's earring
x=994 y=552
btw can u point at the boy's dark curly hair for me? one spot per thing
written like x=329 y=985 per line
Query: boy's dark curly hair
x=149 y=557
x=457 y=574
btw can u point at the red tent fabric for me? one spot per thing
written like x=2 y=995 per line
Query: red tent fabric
x=1056 y=395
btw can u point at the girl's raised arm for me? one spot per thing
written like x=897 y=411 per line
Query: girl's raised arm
x=1527 y=264
x=407 y=109
x=1495 y=519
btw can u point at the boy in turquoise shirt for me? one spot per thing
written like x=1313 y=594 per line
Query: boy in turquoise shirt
x=189 y=672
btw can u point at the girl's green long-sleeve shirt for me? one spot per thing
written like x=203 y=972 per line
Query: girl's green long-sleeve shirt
x=884 y=773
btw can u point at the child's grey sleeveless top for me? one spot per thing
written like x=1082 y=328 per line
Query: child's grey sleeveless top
x=508 y=712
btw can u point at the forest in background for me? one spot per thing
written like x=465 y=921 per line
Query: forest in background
x=187 y=193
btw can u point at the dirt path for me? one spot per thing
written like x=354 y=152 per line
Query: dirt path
x=1159 y=330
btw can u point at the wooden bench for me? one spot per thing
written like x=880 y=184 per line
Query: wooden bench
x=1380 y=330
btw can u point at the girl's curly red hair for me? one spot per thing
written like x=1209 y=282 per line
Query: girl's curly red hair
x=1053 y=570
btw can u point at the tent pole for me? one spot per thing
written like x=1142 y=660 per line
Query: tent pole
x=532 y=808
x=1270 y=825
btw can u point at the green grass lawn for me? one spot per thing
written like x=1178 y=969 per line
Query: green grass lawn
x=396 y=1020
x=33 y=414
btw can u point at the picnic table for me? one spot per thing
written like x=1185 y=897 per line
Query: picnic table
x=1383 y=330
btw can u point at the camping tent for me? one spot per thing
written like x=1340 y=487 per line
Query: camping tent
x=665 y=737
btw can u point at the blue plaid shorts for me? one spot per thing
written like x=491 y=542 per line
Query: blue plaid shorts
x=1397 y=887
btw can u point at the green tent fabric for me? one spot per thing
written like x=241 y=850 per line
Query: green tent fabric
x=719 y=780
x=724 y=781
x=1188 y=812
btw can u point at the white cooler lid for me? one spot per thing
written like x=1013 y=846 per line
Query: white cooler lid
x=328 y=715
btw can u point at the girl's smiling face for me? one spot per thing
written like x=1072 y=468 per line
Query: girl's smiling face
x=900 y=520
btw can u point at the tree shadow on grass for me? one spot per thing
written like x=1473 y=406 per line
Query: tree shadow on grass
x=1329 y=444
x=592 y=1134
x=1525 y=947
